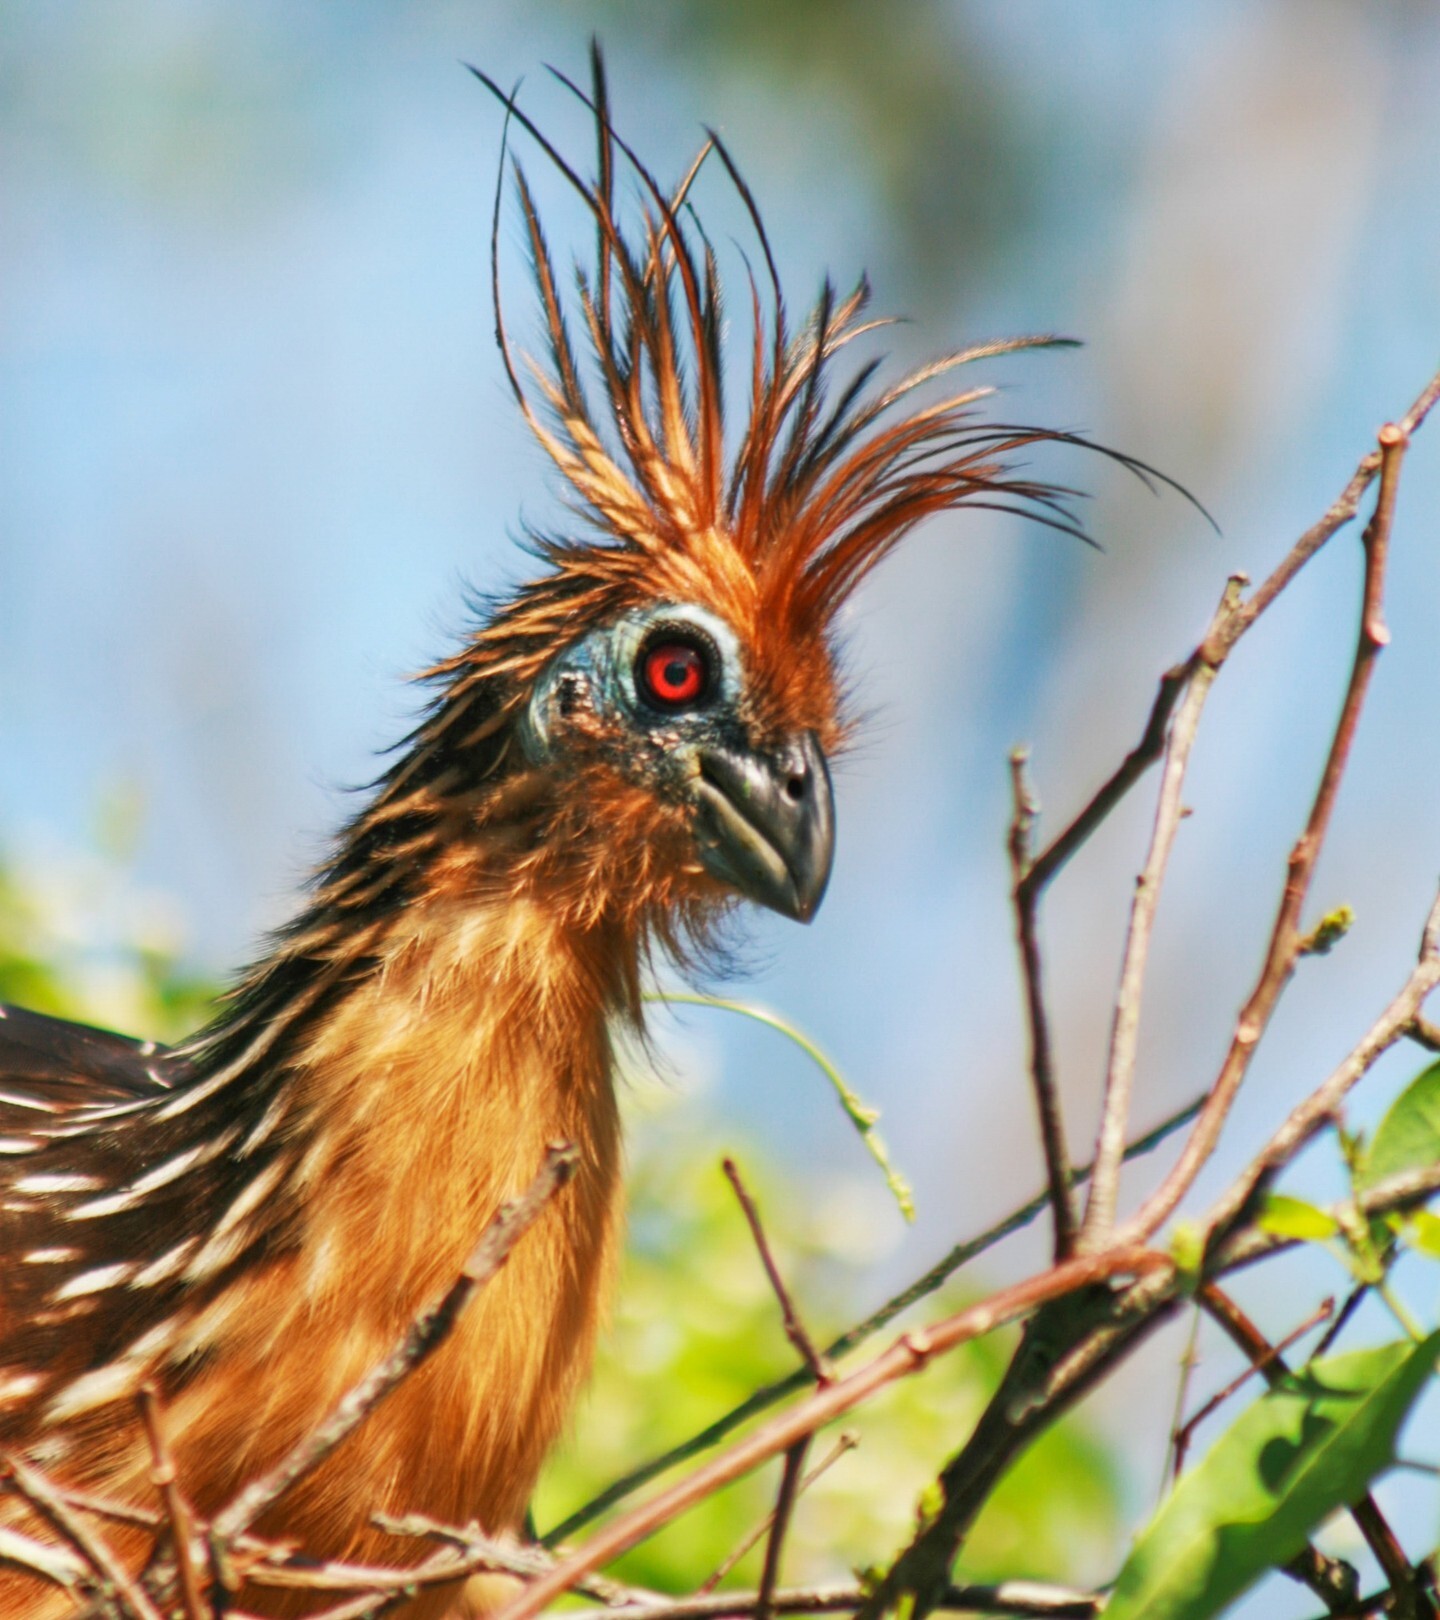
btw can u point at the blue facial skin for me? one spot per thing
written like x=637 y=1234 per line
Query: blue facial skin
x=595 y=678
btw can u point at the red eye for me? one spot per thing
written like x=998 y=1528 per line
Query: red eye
x=673 y=674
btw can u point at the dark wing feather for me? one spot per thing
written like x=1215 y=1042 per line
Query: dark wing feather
x=50 y=1065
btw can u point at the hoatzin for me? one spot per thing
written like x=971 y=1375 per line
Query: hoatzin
x=632 y=743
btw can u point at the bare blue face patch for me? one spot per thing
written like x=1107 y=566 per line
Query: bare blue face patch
x=597 y=675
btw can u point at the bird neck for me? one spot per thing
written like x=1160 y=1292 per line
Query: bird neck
x=480 y=1035
x=426 y=1025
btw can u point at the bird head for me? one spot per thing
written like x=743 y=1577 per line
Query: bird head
x=659 y=706
x=669 y=706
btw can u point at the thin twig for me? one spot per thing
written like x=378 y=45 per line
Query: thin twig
x=1424 y=1033
x=907 y=1355
x=1026 y=900
x=422 y=1338
x=1120 y=1069
x=1185 y=1432
x=1048 y=863
x=1032 y=1598
x=1344 y=508
x=1281 y=952
x=1321 y=1105
x=769 y=1395
x=780 y=1524
x=1008 y=1426
x=1351 y=1304
x=1189 y=1360
x=846 y=1442
x=42 y=1558
x=794 y=1327
x=177 y=1510
x=507 y=1554
x=105 y=1507
x=111 y=1575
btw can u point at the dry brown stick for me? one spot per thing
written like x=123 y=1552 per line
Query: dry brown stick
x=339 y=1576
x=1212 y=652
x=42 y=1558
x=507 y=1554
x=1353 y=1301
x=105 y=1507
x=1267 y=1360
x=794 y=1327
x=1093 y=1351
x=1026 y=901
x=908 y=1354
x=1047 y=864
x=113 y=1579
x=1336 y=517
x=771 y=1394
x=1322 y=1104
x=1030 y=1598
x=846 y=1442
x=780 y=1524
x=1186 y=1430
x=177 y=1509
x=421 y=1339
x=1281 y=951
x=1224 y=633
x=1424 y=1033
x=1120 y=1068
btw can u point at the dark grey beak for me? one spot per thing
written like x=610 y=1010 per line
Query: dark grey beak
x=766 y=823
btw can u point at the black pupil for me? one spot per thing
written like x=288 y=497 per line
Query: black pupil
x=677 y=670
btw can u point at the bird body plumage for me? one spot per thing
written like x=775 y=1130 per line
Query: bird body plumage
x=249 y=1223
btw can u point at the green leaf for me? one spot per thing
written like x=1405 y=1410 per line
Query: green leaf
x=1187 y=1250
x=1409 y=1134
x=1423 y=1231
x=1307 y=1447
x=1294 y=1218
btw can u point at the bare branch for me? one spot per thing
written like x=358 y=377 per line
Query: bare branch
x=111 y=1576
x=846 y=1442
x=51 y=1563
x=177 y=1510
x=908 y=1354
x=794 y=1327
x=1321 y=1105
x=769 y=1395
x=1185 y=1432
x=1281 y=952
x=1424 y=1033
x=1120 y=1071
x=1047 y=865
x=1026 y=900
x=780 y=1523
x=1031 y=1598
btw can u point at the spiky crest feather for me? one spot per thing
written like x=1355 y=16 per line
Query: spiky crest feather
x=814 y=495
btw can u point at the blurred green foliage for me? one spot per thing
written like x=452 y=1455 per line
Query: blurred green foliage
x=81 y=939
x=696 y=1327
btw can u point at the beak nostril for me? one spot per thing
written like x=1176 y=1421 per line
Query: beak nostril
x=795 y=789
